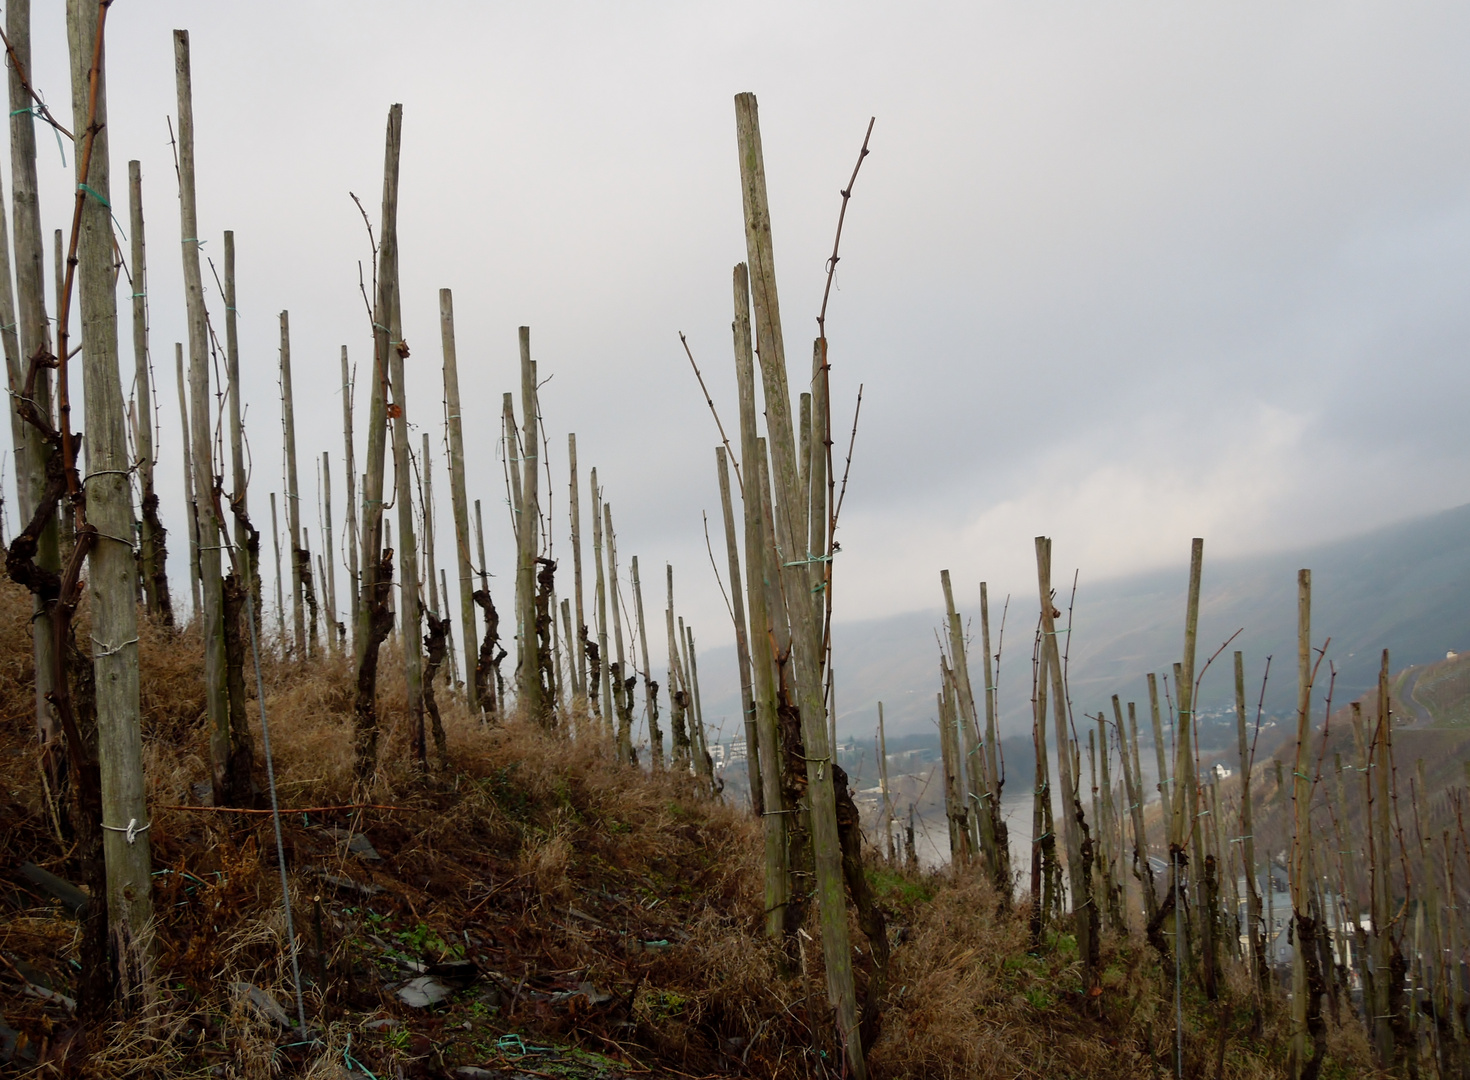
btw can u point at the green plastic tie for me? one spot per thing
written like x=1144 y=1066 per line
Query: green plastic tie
x=95 y=194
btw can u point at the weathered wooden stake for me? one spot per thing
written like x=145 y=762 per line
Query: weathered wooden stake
x=768 y=757
x=32 y=452
x=622 y=703
x=152 y=552
x=374 y=611
x=280 y=593
x=1079 y=858
x=887 y=793
x=329 y=556
x=802 y=606
x=411 y=609
x=300 y=568
x=458 y=488
x=742 y=642
x=650 y=688
x=350 y=459
x=679 y=743
x=574 y=496
x=111 y=570
x=190 y=503
x=600 y=662
x=1254 y=936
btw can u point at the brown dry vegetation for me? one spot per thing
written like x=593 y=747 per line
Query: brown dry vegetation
x=548 y=867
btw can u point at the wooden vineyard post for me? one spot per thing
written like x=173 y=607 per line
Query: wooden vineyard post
x=152 y=552
x=887 y=792
x=1305 y=999
x=191 y=505
x=622 y=696
x=1133 y=789
x=755 y=493
x=207 y=521
x=247 y=540
x=350 y=461
x=458 y=488
x=650 y=688
x=411 y=609
x=431 y=573
x=803 y=607
x=742 y=642
x=574 y=500
x=703 y=763
x=329 y=555
x=374 y=611
x=280 y=593
x=111 y=570
x=32 y=450
x=532 y=690
x=1185 y=794
x=1257 y=951
x=1084 y=908
x=1386 y=1009
x=299 y=570
x=998 y=827
x=679 y=745
x=487 y=668
x=976 y=765
x=601 y=677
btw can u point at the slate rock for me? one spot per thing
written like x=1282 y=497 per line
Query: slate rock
x=423 y=992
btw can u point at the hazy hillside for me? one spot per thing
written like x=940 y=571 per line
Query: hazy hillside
x=1405 y=587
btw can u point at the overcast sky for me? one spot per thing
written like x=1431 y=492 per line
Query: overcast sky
x=1121 y=273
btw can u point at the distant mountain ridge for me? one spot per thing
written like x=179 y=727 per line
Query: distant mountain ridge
x=1404 y=587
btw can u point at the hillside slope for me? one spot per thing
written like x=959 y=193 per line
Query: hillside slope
x=530 y=908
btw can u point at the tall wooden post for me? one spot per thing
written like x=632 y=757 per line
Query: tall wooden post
x=1301 y=843
x=374 y=612
x=650 y=688
x=329 y=551
x=531 y=690
x=574 y=497
x=112 y=572
x=293 y=494
x=679 y=743
x=756 y=494
x=350 y=462
x=411 y=609
x=190 y=503
x=458 y=488
x=623 y=706
x=152 y=553
x=742 y=642
x=803 y=609
x=887 y=792
x=609 y=718
x=976 y=766
x=246 y=544
x=280 y=593
x=1247 y=837
x=431 y=573
x=208 y=525
x=1084 y=909
x=31 y=450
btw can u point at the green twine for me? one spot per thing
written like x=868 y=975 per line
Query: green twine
x=352 y=1062
x=98 y=196
x=90 y=190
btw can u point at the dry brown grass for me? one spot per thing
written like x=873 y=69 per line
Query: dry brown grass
x=549 y=866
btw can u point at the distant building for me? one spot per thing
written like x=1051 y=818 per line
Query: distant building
x=738 y=751
x=1220 y=771
x=717 y=755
